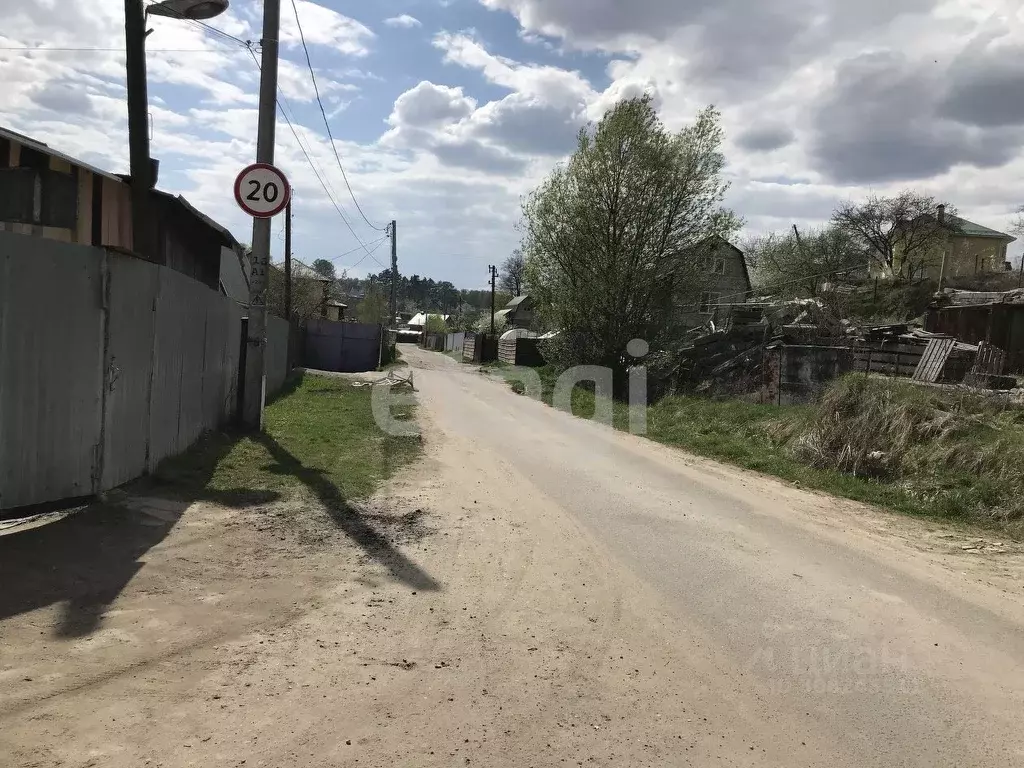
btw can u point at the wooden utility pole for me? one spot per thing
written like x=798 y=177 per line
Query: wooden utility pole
x=255 y=360
x=138 y=130
x=800 y=247
x=393 y=304
x=494 y=275
x=288 y=262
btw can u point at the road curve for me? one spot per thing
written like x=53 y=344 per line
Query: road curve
x=886 y=638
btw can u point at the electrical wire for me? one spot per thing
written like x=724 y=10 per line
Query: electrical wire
x=220 y=32
x=327 y=124
x=349 y=253
x=370 y=254
x=47 y=49
x=313 y=166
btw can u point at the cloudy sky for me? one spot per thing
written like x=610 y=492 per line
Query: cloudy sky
x=445 y=112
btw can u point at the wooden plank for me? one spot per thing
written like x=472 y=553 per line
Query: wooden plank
x=903 y=349
x=933 y=360
x=84 y=224
x=60 y=165
x=888 y=356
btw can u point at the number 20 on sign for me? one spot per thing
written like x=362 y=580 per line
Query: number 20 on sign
x=261 y=190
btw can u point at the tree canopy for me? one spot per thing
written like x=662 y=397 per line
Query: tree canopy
x=610 y=237
x=324 y=267
x=901 y=234
x=785 y=263
x=512 y=274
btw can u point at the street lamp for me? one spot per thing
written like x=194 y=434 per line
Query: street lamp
x=198 y=10
x=143 y=170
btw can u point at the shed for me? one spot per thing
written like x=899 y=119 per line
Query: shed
x=335 y=309
x=518 y=313
x=971 y=318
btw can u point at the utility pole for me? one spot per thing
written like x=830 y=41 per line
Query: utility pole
x=288 y=262
x=800 y=247
x=494 y=275
x=138 y=127
x=255 y=363
x=393 y=304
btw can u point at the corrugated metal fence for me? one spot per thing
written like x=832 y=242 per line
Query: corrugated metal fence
x=453 y=342
x=108 y=364
x=332 y=345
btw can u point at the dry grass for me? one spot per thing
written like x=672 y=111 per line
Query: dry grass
x=954 y=451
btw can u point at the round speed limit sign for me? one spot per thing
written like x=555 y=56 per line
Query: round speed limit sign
x=261 y=190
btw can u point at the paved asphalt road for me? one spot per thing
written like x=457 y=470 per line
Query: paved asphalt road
x=897 y=644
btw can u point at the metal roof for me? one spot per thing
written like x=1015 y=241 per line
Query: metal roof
x=302 y=271
x=39 y=146
x=970 y=229
x=421 y=319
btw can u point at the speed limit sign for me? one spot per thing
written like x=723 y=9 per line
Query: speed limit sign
x=261 y=190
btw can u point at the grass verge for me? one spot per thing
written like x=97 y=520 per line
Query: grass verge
x=319 y=436
x=933 y=454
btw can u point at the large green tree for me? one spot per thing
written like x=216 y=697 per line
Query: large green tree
x=325 y=268
x=610 y=237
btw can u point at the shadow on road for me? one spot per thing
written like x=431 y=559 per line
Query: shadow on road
x=85 y=561
x=354 y=523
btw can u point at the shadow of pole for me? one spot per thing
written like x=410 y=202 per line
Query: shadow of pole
x=349 y=520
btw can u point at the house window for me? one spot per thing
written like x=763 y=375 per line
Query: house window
x=715 y=265
x=708 y=301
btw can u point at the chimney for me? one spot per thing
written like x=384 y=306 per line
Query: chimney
x=940 y=213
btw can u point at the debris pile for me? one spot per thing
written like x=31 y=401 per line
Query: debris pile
x=768 y=348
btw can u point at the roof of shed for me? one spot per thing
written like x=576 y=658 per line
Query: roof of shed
x=40 y=146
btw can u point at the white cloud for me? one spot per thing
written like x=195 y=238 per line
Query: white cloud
x=806 y=118
x=327 y=27
x=799 y=102
x=404 y=20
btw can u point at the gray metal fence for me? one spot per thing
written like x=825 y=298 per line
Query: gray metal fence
x=108 y=364
x=342 y=346
x=453 y=342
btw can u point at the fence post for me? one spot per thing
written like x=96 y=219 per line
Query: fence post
x=782 y=363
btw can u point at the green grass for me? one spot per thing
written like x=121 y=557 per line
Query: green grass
x=966 y=470
x=319 y=439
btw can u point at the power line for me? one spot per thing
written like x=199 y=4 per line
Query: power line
x=349 y=253
x=313 y=166
x=47 y=49
x=220 y=32
x=327 y=125
x=370 y=254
